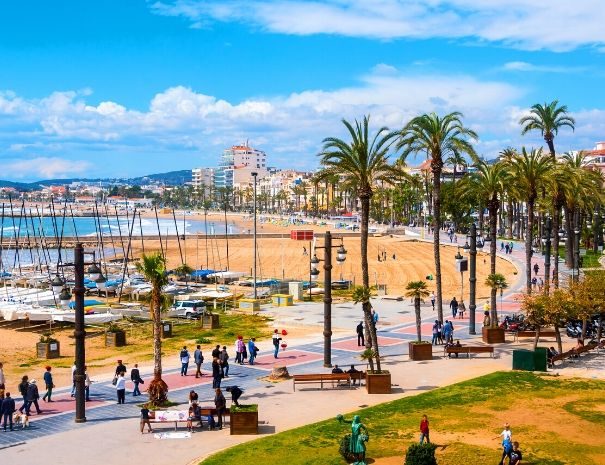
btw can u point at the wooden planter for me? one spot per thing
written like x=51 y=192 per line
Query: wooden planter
x=210 y=321
x=166 y=328
x=48 y=349
x=493 y=335
x=115 y=339
x=378 y=383
x=244 y=423
x=420 y=352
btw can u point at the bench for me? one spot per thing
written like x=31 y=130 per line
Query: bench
x=546 y=333
x=181 y=416
x=468 y=350
x=572 y=354
x=321 y=378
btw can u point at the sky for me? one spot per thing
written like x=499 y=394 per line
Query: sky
x=117 y=88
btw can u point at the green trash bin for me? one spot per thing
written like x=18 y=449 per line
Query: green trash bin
x=523 y=359
x=540 y=359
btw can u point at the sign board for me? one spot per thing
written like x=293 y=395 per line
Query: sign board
x=301 y=234
x=53 y=346
x=462 y=265
x=166 y=327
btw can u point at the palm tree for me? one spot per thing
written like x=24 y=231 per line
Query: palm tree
x=153 y=267
x=418 y=291
x=496 y=281
x=438 y=137
x=488 y=183
x=184 y=271
x=547 y=119
x=366 y=160
x=530 y=171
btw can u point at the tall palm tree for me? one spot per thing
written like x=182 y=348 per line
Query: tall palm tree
x=153 y=267
x=496 y=281
x=488 y=183
x=547 y=119
x=418 y=291
x=531 y=171
x=365 y=159
x=438 y=137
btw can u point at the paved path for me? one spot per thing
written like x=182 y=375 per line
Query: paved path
x=280 y=407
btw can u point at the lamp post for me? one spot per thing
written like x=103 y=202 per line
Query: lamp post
x=341 y=256
x=547 y=234
x=461 y=266
x=79 y=332
x=472 y=306
x=254 y=175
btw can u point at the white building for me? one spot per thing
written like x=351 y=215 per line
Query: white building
x=203 y=177
x=237 y=165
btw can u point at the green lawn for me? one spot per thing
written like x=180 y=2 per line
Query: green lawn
x=557 y=421
x=590 y=260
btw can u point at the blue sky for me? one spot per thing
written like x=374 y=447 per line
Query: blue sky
x=124 y=88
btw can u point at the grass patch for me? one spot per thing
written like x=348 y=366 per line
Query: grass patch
x=590 y=260
x=549 y=417
x=244 y=408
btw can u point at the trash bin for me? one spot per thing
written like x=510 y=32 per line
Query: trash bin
x=166 y=329
x=540 y=359
x=523 y=360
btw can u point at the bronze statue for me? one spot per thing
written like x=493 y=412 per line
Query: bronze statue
x=359 y=436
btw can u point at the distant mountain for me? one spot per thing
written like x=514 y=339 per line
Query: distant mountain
x=172 y=178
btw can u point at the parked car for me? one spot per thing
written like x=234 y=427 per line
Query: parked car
x=343 y=284
x=190 y=309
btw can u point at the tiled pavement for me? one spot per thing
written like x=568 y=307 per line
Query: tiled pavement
x=305 y=358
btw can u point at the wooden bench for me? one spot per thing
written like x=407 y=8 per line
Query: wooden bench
x=572 y=354
x=322 y=378
x=546 y=333
x=468 y=350
x=182 y=415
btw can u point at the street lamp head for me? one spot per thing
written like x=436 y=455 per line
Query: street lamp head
x=101 y=282
x=57 y=284
x=314 y=263
x=458 y=257
x=561 y=233
x=94 y=271
x=65 y=297
x=341 y=254
x=254 y=174
x=577 y=231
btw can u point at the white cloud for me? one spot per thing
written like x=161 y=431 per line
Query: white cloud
x=43 y=168
x=192 y=128
x=523 y=66
x=539 y=24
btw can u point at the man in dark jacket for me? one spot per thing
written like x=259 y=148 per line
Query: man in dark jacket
x=220 y=403
x=32 y=397
x=8 y=408
x=120 y=368
x=360 y=337
x=198 y=358
x=48 y=381
x=216 y=352
x=135 y=377
x=23 y=391
x=236 y=393
x=216 y=373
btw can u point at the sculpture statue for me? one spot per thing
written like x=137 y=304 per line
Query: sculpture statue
x=359 y=436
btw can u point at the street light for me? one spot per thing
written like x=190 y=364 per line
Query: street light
x=577 y=255
x=254 y=175
x=65 y=297
x=546 y=240
x=341 y=256
x=57 y=284
x=461 y=266
x=472 y=306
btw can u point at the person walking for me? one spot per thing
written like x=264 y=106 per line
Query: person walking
x=87 y=383
x=239 y=350
x=276 y=340
x=184 y=356
x=121 y=388
x=435 y=340
x=145 y=420
x=32 y=397
x=424 y=430
x=220 y=403
x=536 y=269
x=198 y=358
x=515 y=456
x=216 y=373
x=446 y=331
x=454 y=306
x=2 y=380
x=224 y=358
x=360 y=336
x=135 y=377
x=73 y=379
x=120 y=368
x=23 y=391
x=216 y=351
x=48 y=382
x=7 y=410
x=252 y=350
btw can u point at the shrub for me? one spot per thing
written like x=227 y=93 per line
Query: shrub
x=421 y=454
x=344 y=449
x=202 y=340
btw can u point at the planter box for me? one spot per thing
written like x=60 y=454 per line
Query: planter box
x=378 y=383
x=493 y=335
x=166 y=329
x=420 y=351
x=115 y=339
x=250 y=305
x=244 y=423
x=48 y=349
x=210 y=321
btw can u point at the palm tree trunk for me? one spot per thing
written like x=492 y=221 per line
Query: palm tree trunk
x=558 y=338
x=365 y=271
x=556 y=225
x=436 y=234
x=418 y=325
x=569 y=245
x=528 y=244
x=493 y=212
